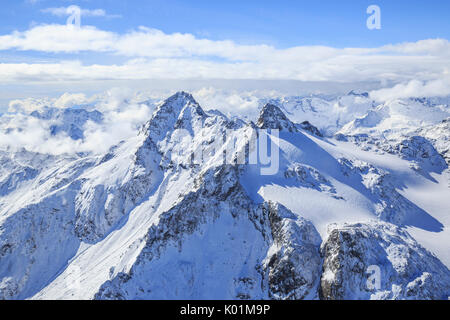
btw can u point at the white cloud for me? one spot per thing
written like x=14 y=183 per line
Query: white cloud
x=68 y=100
x=28 y=105
x=59 y=39
x=414 y=88
x=155 y=54
x=341 y=69
x=122 y=120
x=65 y=11
x=430 y=46
x=241 y=103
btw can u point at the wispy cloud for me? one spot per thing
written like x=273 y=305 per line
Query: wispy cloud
x=32 y=1
x=65 y=11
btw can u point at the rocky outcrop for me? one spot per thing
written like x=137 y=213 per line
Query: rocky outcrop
x=439 y=135
x=419 y=151
x=271 y=117
x=293 y=261
x=390 y=205
x=309 y=177
x=380 y=261
x=305 y=125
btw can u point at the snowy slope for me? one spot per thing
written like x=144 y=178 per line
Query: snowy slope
x=397 y=117
x=70 y=121
x=329 y=114
x=151 y=220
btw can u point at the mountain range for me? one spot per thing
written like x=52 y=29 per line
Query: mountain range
x=358 y=207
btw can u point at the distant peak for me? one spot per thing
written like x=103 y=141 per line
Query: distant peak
x=271 y=109
x=175 y=104
x=307 y=126
x=182 y=95
x=358 y=94
x=271 y=117
x=181 y=104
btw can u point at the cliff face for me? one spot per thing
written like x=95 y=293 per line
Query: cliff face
x=380 y=261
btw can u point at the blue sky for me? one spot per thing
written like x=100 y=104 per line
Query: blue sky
x=280 y=23
x=133 y=40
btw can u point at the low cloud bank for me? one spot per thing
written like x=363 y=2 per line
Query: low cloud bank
x=21 y=128
x=152 y=54
x=124 y=111
x=414 y=89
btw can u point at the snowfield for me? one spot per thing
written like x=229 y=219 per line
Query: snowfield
x=112 y=203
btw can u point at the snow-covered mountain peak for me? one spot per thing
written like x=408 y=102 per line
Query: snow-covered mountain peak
x=70 y=114
x=399 y=116
x=358 y=94
x=70 y=121
x=403 y=269
x=271 y=117
x=307 y=126
x=328 y=113
x=439 y=135
x=179 y=106
x=175 y=103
